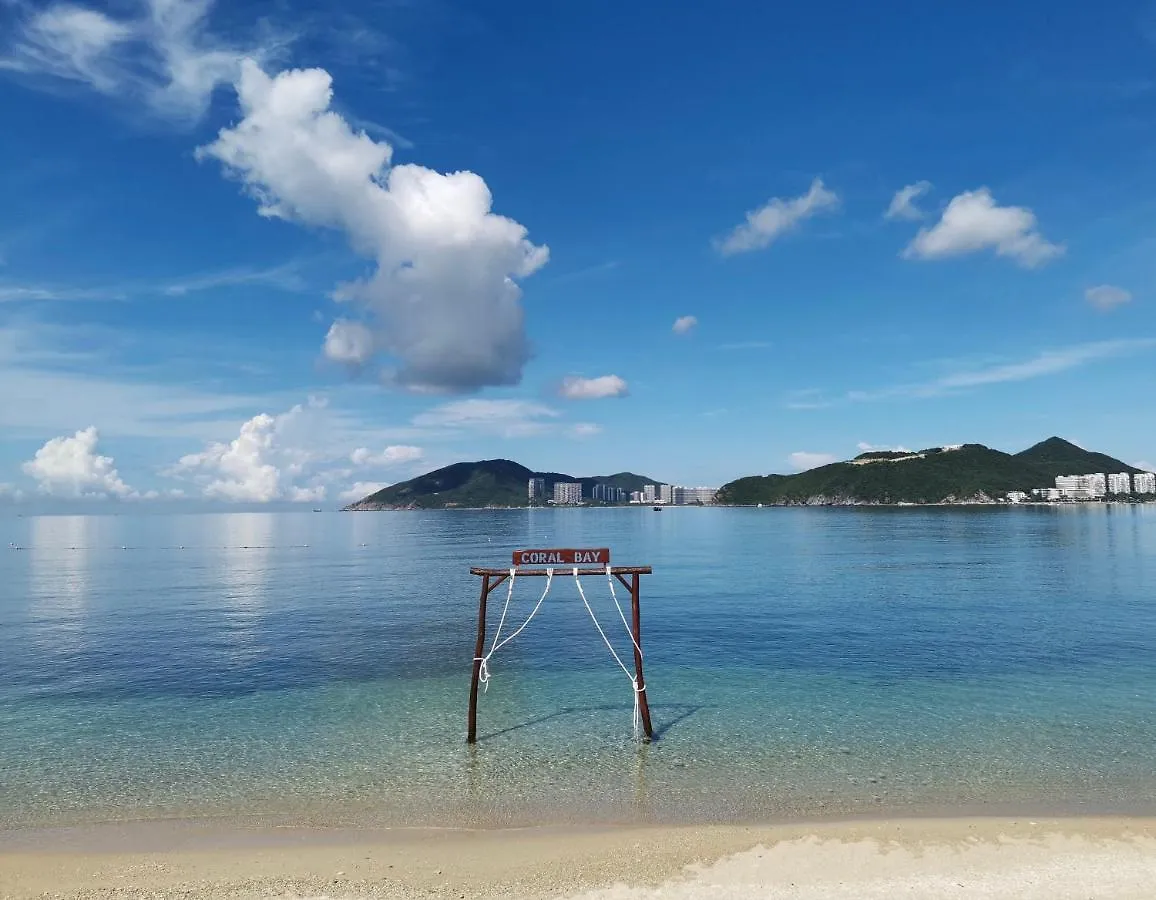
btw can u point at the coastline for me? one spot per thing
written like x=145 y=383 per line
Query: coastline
x=794 y=504
x=959 y=857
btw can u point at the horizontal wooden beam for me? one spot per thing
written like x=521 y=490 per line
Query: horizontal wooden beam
x=564 y=570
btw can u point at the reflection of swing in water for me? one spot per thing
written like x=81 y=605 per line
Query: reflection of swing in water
x=574 y=559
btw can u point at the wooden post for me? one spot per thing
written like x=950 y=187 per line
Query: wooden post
x=636 y=615
x=479 y=649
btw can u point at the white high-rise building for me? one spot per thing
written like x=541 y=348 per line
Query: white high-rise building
x=649 y=493
x=1120 y=484
x=1144 y=483
x=536 y=489
x=607 y=493
x=666 y=493
x=1082 y=487
x=692 y=495
x=568 y=493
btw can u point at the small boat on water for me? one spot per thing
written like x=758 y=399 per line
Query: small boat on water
x=657 y=508
x=317 y=509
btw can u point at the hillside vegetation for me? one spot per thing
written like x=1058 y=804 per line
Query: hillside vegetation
x=935 y=475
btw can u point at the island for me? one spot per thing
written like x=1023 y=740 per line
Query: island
x=956 y=474
x=491 y=483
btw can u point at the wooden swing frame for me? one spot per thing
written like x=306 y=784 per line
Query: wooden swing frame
x=491 y=578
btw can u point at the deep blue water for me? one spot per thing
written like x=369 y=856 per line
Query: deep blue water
x=315 y=667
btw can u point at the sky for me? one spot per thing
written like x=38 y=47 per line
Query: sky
x=291 y=252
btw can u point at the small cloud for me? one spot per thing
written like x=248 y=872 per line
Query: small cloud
x=903 y=203
x=769 y=222
x=284 y=277
x=348 y=343
x=11 y=492
x=360 y=490
x=585 y=430
x=1049 y=362
x=684 y=324
x=1145 y=465
x=22 y=293
x=801 y=460
x=807 y=398
x=391 y=456
x=1106 y=297
x=509 y=418
x=747 y=345
x=574 y=388
x=162 y=56
x=588 y=272
x=973 y=222
x=864 y=447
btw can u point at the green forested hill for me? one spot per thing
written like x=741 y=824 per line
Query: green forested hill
x=936 y=475
x=491 y=482
x=1055 y=456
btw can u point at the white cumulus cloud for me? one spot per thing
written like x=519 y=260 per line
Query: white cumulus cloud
x=444 y=302
x=72 y=467
x=903 y=203
x=684 y=324
x=269 y=460
x=802 y=460
x=973 y=222
x=1107 y=297
x=394 y=455
x=575 y=388
x=769 y=222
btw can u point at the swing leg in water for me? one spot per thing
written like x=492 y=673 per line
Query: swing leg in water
x=576 y=562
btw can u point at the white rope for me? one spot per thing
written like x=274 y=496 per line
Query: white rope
x=609 y=646
x=621 y=614
x=484 y=668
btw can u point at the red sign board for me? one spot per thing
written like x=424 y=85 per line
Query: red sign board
x=562 y=557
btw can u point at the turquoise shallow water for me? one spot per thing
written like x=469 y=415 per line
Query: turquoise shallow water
x=315 y=667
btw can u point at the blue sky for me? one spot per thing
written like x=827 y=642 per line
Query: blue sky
x=274 y=252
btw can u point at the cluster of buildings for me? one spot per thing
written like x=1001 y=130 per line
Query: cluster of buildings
x=1094 y=486
x=673 y=494
x=570 y=493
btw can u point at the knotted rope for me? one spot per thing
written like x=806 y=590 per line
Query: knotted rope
x=637 y=718
x=484 y=668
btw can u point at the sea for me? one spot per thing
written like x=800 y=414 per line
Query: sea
x=314 y=668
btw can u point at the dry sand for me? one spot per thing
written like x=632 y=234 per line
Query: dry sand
x=917 y=859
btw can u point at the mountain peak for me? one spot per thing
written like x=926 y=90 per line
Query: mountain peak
x=1056 y=456
x=1055 y=443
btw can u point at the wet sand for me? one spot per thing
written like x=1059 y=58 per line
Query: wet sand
x=923 y=859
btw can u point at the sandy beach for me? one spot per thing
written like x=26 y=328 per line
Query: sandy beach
x=921 y=859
